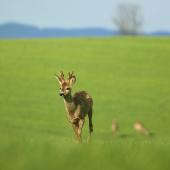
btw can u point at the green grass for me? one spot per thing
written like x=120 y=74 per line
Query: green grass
x=128 y=79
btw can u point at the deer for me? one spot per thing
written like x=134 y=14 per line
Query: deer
x=139 y=127
x=115 y=127
x=77 y=106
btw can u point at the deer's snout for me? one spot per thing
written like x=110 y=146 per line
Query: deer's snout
x=61 y=94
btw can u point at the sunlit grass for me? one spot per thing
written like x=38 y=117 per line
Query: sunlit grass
x=128 y=79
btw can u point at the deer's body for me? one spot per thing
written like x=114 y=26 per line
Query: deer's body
x=77 y=106
x=139 y=127
x=115 y=127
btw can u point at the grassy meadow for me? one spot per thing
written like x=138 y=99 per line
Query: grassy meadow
x=128 y=79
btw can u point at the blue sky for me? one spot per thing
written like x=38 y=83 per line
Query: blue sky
x=81 y=13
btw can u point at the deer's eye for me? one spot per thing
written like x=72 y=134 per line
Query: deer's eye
x=67 y=88
x=60 y=88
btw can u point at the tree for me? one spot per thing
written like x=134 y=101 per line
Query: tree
x=129 y=19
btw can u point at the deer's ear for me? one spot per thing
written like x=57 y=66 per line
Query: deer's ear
x=58 y=78
x=72 y=80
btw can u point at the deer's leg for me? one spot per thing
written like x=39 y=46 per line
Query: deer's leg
x=90 y=124
x=81 y=123
x=75 y=127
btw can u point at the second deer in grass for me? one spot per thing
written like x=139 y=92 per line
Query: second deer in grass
x=115 y=127
x=77 y=106
x=139 y=127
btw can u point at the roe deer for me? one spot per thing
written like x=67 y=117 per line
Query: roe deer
x=140 y=128
x=77 y=106
x=115 y=127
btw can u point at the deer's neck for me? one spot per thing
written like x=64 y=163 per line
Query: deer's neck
x=69 y=103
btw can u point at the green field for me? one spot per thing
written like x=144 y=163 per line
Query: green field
x=128 y=79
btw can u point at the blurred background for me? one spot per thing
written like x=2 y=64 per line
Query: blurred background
x=83 y=18
x=119 y=52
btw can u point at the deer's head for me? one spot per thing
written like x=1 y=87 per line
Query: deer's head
x=65 y=88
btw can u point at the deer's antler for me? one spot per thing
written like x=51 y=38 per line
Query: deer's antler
x=62 y=76
x=70 y=75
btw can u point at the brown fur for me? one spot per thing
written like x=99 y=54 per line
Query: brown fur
x=139 y=127
x=77 y=106
x=115 y=127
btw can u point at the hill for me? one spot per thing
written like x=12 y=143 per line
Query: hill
x=159 y=33
x=13 y=30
